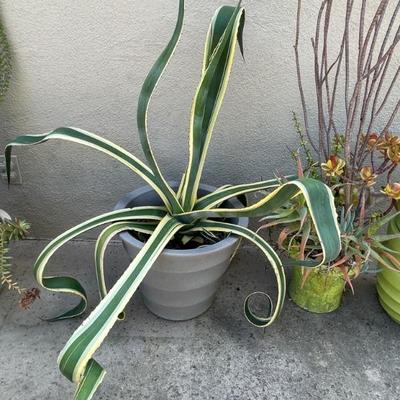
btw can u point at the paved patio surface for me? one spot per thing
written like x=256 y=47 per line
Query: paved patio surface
x=353 y=353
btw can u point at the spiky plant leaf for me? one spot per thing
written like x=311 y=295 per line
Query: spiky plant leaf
x=67 y=284
x=220 y=51
x=101 y=245
x=183 y=215
x=74 y=359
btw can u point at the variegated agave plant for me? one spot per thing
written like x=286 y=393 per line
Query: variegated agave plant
x=182 y=210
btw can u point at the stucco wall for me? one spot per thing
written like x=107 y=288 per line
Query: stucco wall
x=81 y=63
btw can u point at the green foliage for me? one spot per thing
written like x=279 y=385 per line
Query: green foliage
x=183 y=211
x=10 y=230
x=5 y=63
x=312 y=165
x=15 y=229
x=361 y=243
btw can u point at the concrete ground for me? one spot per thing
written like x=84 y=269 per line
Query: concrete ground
x=353 y=353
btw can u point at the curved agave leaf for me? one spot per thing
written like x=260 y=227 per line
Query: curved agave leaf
x=148 y=87
x=271 y=255
x=220 y=52
x=180 y=188
x=75 y=360
x=227 y=192
x=216 y=30
x=91 y=379
x=4 y=216
x=294 y=217
x=66 y=284
x=91 y=140
x=102 y=242
x=320 y=204
x=280 y=214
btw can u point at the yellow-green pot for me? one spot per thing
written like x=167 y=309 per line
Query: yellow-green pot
x=321 y=292
x=388 y=283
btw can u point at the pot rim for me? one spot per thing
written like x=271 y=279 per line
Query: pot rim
x=209 y=248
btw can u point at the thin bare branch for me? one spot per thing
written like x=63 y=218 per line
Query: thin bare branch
x=299 y=77
x=392 y=117
x=380 y=74
x=324 y=67
x=318 y=86
x=349 y=8
x=384 y=69
x=382 y=59
x=373 y=28
x=397 y=74
x=367 y=92
x=368 y=88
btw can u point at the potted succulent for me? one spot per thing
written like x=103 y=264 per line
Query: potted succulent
x=187 y=226
x=354 y=162
x=388 y=282
x=12 y=229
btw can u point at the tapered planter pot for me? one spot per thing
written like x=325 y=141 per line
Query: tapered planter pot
x=182 y=283
x=388 y=282
x=321 y=292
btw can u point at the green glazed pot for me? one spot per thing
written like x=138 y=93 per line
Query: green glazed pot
x=322 y=291
x=388 y=283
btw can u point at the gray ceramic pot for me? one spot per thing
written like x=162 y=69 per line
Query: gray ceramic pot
x=182 y=283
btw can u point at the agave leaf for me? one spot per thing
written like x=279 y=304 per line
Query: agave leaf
x=320 y=203
x=280 y=214
x=75 y=358
x=102 y=242
x=91 y=379
x=213 y=199
x=148 y=87
x=66 y=284
x=280 y=221
x=91 y=140
x=180 y=188
x=210 y=93
x=4 y=216
x=269 y=252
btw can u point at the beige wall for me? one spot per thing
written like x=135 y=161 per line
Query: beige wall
x=81 y=63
